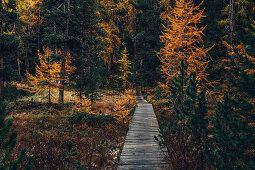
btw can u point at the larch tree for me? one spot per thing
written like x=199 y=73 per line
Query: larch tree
x=182 y=40
x=125 y=66
x=47 y=74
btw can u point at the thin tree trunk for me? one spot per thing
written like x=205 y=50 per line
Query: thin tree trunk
x=1 y=77
x=82 y=74
x=110 y=64
x=18 y=62
x=231 y=21
x=1 y=60
x=63 y=69
x=49 y=99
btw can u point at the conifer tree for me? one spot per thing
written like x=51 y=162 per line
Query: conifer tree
x=28 y=30
x=182 y=40
x=232 y=139
x=48 y=73
x=146 y=39
x=8 y=42
x=185 y=133
x=90 y=68
x=8 y=139
x=125 y=66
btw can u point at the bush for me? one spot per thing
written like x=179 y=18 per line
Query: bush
x=91 y=119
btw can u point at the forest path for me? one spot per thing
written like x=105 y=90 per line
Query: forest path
x=141 y=150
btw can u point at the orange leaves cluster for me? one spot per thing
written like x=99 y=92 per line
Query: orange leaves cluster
x=125 y=66
x=83 y=105
x=182 y=40
x=124 y=106
x=48 y=72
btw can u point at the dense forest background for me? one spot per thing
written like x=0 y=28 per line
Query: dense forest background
x=193 y=60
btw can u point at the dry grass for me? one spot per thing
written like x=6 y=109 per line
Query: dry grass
x=45 y=130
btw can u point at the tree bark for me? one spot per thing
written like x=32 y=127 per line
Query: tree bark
x=231 y=21
x=63 y=69
x=1 y=77
x=82 y=74
x=110 y=65
x=1 y=60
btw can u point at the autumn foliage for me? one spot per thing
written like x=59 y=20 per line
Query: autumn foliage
x=125 y=66
x=48 y=72
x=84 y=104
x=182 y=40
x=124 y=106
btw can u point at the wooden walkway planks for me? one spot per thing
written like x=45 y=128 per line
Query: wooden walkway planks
x=141 y=150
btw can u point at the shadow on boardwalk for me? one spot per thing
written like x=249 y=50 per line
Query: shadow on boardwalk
x=141 y=150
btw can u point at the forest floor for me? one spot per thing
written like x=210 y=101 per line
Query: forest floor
x=47 y=131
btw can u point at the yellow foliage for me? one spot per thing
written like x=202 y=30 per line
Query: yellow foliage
x=110 y=21
x=182 y=39
x=124 y=106
x=125 y=66
x=84 y=105
x=28 y=11
x=48 y=72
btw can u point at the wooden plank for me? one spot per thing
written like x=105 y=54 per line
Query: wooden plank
x=140 y=150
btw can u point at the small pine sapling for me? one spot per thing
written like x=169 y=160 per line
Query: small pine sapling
x=8 y=139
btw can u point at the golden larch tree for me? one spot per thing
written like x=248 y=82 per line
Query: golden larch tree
x=182 y=40
x=125 y=66
x=118 y=13
x=47 y=73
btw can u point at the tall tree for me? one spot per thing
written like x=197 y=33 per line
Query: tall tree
x=8 y=41
x=146 y=39
x=90 y=69
x=29 y=14
x=182 y=40
x=56 y=26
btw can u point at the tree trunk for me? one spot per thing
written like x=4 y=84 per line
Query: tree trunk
x=231 y=21
x=110 y=65
x=1 y=60
x=1 y=77
x=49 y=100
x=63 y=69
x=82 y=74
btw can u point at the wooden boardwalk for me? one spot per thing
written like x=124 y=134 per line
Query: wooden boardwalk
x=141 y=150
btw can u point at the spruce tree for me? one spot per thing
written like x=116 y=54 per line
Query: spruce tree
x=146 y=39
x=232 y=141
x=185 y=133
x=8 y=43
x=8 y=139
x=90 y=72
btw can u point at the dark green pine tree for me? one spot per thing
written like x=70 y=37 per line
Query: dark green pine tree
x=56 y=32
x=90 y=69
x=146 y=40
x=233 y=138
x=8 y=43
x=233 y=142
x=186 y=132
x=8 y=140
